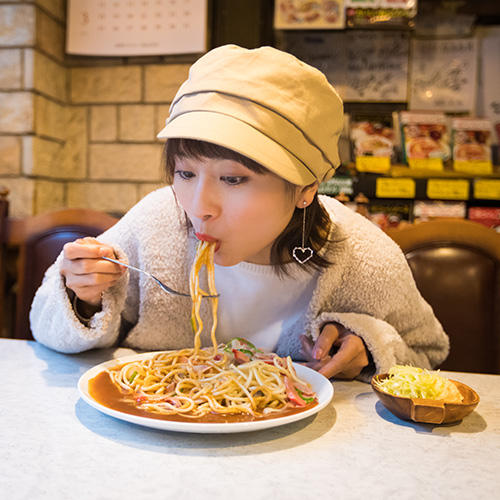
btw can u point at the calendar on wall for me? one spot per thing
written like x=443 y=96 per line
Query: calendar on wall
x=136 y=27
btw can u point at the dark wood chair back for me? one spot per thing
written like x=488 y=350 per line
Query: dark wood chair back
x=40 y=239
x=4 y=212
x=456 y=265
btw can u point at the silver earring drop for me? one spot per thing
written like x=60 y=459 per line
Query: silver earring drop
x=302 y=254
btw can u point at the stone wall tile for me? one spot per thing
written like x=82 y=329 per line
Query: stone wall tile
x=49 y=77
x=50 y=118
x=10 y=155
x=116 y=198
x=17 y=25
x=16 y=114
x=74 y=152
x=44 y=157
x=103 y=123
x=161 y=115
x=163 y=81
x=50 y=36
x=106 y=85
x=21 y=195
x=56 y=7
x=49 y=196
x=10 y=69
x=136 y=123
x=132 y=162
x=29 y=68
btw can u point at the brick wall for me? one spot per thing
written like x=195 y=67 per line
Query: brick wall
x=77 y=131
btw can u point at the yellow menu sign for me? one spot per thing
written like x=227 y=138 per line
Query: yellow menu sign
x=434 y=164
x=375 y=164
x=387 y=187
x=487 y=189
x=473 y=167
x=448 y=189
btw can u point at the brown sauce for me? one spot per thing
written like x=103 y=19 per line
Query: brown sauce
x=105 y=392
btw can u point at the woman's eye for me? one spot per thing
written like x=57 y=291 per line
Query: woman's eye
x=234 y=180
x=184 y=174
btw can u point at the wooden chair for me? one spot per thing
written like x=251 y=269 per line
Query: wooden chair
x=39 y=240
x=456 y=265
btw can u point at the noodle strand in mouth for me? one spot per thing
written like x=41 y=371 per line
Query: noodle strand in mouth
x=231 y=379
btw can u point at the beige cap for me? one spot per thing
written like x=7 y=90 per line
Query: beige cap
x=264 y=104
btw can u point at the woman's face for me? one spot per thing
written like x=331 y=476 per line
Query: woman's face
x=243 y=211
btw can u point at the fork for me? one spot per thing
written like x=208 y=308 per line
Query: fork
x=164 y=287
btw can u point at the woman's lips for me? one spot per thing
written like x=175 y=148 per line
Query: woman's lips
x=209 y=239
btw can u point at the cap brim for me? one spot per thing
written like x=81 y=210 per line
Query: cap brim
x=239 y=136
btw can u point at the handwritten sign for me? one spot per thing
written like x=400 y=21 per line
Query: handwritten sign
x=446 y=189
x=363 y=66
x=387 y=187
x=443 y=74
x=136 y=27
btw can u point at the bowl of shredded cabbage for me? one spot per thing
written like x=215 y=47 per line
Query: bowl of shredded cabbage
x=422 y=395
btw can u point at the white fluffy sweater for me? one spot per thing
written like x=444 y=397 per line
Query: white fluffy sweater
x=369 y=289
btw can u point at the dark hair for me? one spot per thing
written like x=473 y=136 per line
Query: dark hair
x=318 y=221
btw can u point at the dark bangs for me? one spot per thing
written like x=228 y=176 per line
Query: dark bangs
x=192 y=148
x=318 y=223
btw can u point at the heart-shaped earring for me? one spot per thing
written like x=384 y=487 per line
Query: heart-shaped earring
x=302 y=254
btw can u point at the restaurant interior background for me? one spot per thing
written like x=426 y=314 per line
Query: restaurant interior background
x=79 y=131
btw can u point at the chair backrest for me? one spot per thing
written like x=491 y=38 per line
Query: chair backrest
x=40 y=239
x=4 y=212
x=456 y=265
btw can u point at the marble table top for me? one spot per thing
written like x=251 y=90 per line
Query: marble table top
x=54 y=445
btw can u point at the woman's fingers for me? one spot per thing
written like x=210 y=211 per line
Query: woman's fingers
x=328 y=336
x=348 y=361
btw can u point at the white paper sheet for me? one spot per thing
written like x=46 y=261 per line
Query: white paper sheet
x=136 y=27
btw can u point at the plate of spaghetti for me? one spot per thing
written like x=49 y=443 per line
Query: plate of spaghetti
x=222 y=388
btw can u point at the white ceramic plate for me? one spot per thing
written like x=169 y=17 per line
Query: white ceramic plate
x=321 y=385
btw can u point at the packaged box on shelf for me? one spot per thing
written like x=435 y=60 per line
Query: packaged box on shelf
x=471 y=145
x=372 y=139
x=390 y=213
x=424 y=139
x=488 y=216
x=429 y=210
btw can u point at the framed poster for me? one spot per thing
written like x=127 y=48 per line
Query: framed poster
x=136 y=27
x=307 y=15
x=362 y=65
x=443 y=74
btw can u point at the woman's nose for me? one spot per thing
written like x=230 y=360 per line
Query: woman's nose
x=204 y=204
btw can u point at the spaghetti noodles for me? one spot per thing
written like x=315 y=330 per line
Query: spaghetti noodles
x=231 y=379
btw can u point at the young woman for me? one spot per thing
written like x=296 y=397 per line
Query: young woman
x=250 y=135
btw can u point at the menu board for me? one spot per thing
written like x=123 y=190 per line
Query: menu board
x=489 y=89
x=443 y=74
x=136 y=27
x=362 y=65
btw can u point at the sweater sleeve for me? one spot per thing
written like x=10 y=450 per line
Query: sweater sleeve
x=397 y=325
x=53 y=320
x=374 y=295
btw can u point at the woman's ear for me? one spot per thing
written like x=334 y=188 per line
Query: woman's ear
x=306 y=195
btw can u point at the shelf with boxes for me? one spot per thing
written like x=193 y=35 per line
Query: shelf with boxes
x=415 y=166
x=409 y=195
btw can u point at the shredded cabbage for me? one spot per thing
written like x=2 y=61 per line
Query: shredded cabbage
x=412 y=382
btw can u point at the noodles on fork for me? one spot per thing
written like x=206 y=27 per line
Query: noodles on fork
x=231 y=379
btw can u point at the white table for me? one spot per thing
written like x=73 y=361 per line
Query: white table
x=54 y=445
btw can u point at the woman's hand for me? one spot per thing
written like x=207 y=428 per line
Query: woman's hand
x=346 y=363
x=86 y=273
